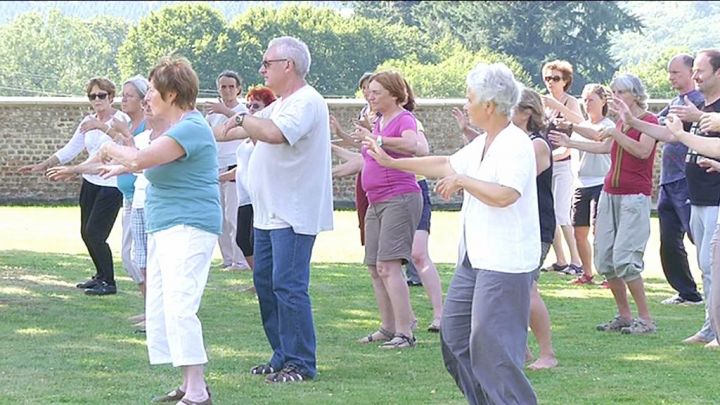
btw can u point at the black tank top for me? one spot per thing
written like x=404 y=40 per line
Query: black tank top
x=545 y=197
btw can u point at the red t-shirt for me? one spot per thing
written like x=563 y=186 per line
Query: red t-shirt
x=628 y=174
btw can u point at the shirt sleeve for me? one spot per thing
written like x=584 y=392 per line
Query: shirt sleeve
x=460 y=160
x=519 y=167
x=74 y=146
x=296 y=118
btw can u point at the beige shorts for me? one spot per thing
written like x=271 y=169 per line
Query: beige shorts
x=390 y=228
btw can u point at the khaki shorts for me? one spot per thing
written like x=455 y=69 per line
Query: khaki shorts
x=622 y=231
x=390 y=228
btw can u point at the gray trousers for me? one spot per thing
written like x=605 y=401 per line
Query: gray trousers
x=484 y=333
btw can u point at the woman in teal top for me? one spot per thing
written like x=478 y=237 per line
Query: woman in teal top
x=183 y=223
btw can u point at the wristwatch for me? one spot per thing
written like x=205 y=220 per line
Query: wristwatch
x=378 y=141
x=240 y=118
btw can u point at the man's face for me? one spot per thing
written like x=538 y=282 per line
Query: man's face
x=679 y=74
x=228 y=89
x=274 y=69
x=705 y=78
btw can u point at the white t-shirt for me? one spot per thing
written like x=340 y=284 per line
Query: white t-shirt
x=592 y=167
x=91 y=141
x=142 y=141
x=290 y=183
x=501 y=239
x=243 y=153
x=226 y=150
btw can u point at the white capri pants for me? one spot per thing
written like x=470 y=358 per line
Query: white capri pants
x=127 y=244
x=177 y=271
x=562 y=190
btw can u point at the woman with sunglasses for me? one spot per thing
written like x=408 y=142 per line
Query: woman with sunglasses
x=100 y=199
x=558 y=76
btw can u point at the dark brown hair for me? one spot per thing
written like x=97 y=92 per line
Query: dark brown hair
x=175 y=74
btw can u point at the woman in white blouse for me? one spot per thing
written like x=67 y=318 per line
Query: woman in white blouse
x=100 y=199
x=499 y=242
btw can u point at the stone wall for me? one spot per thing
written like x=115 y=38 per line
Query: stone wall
x=34 y=128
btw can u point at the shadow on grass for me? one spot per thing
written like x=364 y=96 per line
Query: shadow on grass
x=64 y=347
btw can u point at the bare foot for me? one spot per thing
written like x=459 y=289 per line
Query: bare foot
x=695 y=340
x=713 y=345
x=543 y=363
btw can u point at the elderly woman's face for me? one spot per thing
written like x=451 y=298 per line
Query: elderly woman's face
x=625 y=95
x=100 y=100
x=159 y=106
x=146 y=107
x=379 y=97
x=131 y=100
x=554 y=81
x=477 y=110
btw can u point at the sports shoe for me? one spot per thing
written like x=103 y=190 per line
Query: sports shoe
x=604 y=284
x=639 y=327
x=582 y=280
x=678 y=300
x=101 y=288
x=555 y=267
x=615 y=325
x=88 y=284
x=573 y=270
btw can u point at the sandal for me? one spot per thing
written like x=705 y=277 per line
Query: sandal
x=434 y=327
x=400 y=341
x=189 y=402
x=262 y=369
x=386 y=335
x=289 y=373
x=173 y=396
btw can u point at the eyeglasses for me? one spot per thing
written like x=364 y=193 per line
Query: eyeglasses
x=93 y=96
x=126 y=96
x=266 y=63
x=253 y=106
x=553 y=78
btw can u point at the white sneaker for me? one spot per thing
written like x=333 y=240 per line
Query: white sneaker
x=678 y=300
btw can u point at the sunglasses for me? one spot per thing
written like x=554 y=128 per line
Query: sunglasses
x=553 y=78
x=93 y=96
x=253 y=106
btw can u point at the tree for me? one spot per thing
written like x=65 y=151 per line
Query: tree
x=533 y=32
x=57 y=55
x=654 y=75
x=446 y=79
x=342 y=48
x=195 y=31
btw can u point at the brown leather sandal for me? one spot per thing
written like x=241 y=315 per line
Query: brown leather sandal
x=173 y=396
x=386 y=335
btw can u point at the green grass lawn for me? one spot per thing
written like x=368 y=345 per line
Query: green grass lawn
x=59 y=346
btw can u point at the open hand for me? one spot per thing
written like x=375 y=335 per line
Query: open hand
x=377 y=152
x=710 y=122
x=61 y=173
x=219 y=108
x=687 y=112
x=558 y=138
x=92 y=123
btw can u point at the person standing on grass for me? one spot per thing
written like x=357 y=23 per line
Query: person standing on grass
x=593 y=168
x=623 y=220
x=674 y=204
x=499 y=242
x=558 y=77
x=100 y=199
x=229 y=86
x=290 y=186
x=528 y=115
x=703 y=186
x=184 y=217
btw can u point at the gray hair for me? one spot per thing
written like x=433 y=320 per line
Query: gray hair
x=295 y=50
x=140 y=83
x=495 y=83
x=631 y=83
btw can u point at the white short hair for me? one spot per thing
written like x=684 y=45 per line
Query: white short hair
x=495 y=83
x=631 y=83
x=295 y=50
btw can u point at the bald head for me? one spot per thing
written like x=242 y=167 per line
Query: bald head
x=680 y=73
